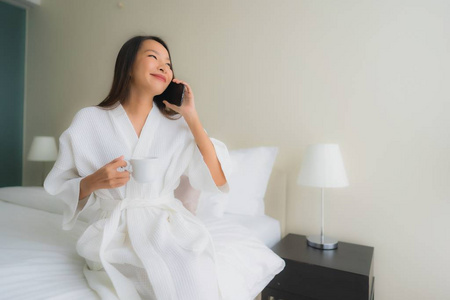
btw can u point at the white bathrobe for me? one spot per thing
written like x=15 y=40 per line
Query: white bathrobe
x=144 y=244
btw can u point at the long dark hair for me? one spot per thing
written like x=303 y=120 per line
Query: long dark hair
x=120 y=89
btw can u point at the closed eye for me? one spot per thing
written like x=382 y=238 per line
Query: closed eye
x=157 y=59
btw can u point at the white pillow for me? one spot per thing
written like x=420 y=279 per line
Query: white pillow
x=248 y=183
x=32 y=196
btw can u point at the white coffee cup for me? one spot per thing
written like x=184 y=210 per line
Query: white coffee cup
x=144 y=169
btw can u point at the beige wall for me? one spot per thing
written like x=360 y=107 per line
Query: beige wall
x=371 y=76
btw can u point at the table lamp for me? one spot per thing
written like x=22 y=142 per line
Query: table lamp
x=322 y=167
x=43 y=148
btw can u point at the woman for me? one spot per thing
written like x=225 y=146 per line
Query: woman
x=144 y=244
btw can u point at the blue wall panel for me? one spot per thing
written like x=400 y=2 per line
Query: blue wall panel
x=12 y=75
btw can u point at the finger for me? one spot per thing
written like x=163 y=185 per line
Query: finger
x=119 y=163
x=171 y=106
x=188 y=87
x=116 y=173
x=116 y=159
x=124 y=174
x=118 y=183
x=114 y=183
x=182 y=82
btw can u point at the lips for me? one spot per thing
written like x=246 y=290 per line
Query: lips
x=160 y=77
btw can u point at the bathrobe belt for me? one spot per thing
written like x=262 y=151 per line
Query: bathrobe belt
x=196 y=240
x=191 y=234
x=167 y=203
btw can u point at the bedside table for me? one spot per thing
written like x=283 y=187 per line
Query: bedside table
x=311 y=274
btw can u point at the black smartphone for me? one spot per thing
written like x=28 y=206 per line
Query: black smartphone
x=173 y=94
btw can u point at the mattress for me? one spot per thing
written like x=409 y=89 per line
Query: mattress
x=38 y=259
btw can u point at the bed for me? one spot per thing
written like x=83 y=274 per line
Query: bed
x=38 y=259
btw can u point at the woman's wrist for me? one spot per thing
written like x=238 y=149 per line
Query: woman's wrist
x=191 y=117
x=86 y=187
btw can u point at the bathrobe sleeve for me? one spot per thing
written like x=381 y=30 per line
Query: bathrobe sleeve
x=198 y=172
x=64 y=180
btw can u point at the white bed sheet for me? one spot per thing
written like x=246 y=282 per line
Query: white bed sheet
x=38 y=259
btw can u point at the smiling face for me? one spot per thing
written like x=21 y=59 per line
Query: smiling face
x=152 y=68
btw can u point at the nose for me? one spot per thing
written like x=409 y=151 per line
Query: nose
x=164 y=68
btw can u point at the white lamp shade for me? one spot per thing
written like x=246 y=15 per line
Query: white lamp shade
x=43 y=148
x=323 y=167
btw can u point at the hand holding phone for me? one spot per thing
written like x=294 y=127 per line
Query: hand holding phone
x=174 y=93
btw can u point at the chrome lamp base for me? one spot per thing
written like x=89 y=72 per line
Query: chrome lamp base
x=325 y=243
